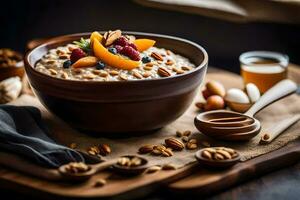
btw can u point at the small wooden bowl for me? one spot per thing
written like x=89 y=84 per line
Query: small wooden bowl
x=130 y=171
x=219 y=164
x=238 y=107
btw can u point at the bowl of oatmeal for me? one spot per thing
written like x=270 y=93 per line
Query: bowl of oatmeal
x=116 y=82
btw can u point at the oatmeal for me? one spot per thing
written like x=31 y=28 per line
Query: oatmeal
x=125 y=58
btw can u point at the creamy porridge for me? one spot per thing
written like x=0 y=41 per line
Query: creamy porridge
x=112 y=57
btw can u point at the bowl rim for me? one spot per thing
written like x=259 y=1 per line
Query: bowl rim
x=66 y=37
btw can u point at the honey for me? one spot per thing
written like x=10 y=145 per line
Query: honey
x=264 y=69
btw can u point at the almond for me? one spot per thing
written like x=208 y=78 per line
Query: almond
x=174 y=144
x=111 y=36
x=104 y=149
x=146 y=149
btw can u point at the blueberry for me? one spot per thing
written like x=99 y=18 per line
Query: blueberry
x=112 y=50
x=67 y=64
x=100 y=65
x=146 y=59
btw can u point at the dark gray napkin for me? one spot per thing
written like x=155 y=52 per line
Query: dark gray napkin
x=23 y=132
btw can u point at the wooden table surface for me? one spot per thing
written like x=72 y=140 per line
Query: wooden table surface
x=282 y=184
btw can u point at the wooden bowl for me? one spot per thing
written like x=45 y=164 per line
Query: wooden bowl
x=216 y=164
x=119 y=107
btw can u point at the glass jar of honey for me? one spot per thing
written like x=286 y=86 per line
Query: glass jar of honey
x=263 y=68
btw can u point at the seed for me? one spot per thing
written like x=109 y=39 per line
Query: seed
x=103 y=73
x=89 y=76
x=147 y=68
x=218 y=156
x=135 y=161
x=73 y=145
x=179 y=134
x=231 y=151
x=193 y=141
x=137 y=75
x=53 y=72
x=146 y=74
x=179 y=71
x=191 y=146
x=224 y=153
x=266 y=136
x=104 y=149
x=169 y=62
x=149 y=64
x=123 y=77
x=146 y=149
x=64 y=56
x=113 y=72
x=153 y=169
x=169 y=167
x=185 y=138
x=64 y=75
x=50 y=61
x=205 y=143
x=206 y=154
x=187 y=133
x=124 y=161
x=186 y=68
x=100 y=183
x=163 y=72
x=167 y=152
x=174 y=144
x=211 y=150
x=156 y=56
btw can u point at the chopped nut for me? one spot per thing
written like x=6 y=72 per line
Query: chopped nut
x=100 y=183
x=157 y=56
x=169 y=167
x=153 y=169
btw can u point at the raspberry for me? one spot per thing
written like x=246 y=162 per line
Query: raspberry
x=119 y=48
x=131 y=53
x=122 y=41
x=76 y=55
x=133 y=46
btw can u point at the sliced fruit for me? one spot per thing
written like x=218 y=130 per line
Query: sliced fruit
x=88 y=61
x=95 y=35
x=111 y=59
x=143 y=44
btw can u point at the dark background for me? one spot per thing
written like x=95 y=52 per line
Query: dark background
x=24 y=20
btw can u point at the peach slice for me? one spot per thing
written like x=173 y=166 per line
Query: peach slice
x=111 y=59
x=143 y=44
x=95 y=35
x=88 y=61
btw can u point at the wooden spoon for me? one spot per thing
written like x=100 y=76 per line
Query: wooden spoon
x=235 y=122
x=94 y=168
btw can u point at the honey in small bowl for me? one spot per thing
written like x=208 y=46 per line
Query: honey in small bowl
x=263 y=68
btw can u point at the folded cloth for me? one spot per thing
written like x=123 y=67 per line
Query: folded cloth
x=23 y=132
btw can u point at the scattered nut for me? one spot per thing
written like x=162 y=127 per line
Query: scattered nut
x=153 y=169
x=174 y=144
x=73 y=145
x=104 y=149
x=169 y=167
x=146 y=149
x=100 y=183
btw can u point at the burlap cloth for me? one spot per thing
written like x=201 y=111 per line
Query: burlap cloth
x=282 y=109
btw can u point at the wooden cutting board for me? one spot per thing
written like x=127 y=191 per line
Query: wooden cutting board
x=129 y=187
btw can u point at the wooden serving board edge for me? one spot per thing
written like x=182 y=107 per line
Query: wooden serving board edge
x=240 y=173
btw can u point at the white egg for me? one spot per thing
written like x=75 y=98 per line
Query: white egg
x=253 y=92
x=237 y=96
